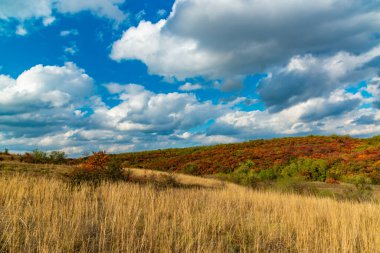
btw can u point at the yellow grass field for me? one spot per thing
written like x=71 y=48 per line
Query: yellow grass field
x=39 y=214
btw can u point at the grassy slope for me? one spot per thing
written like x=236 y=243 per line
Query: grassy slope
x=40 y=214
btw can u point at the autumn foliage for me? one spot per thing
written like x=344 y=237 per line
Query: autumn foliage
x=97 y=162
x=315 y=158
x=96 y=168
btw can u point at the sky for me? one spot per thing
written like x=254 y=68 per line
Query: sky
x=127 y=75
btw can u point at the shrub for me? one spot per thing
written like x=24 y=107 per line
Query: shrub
x=169 y=180
x=27 y=158
x=114 y=169
x=190 y=168
x=39 y=156
x=267 y=174
x=311 y=169
x=96 y=162
x=97 y=168
x=243 y=175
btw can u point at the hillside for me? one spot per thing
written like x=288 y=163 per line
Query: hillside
x=43 y=208
x=314 y=157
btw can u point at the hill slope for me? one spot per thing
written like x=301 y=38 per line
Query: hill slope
x=314 y=157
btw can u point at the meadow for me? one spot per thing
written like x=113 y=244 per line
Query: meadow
x=313 y=194
x=45 y=214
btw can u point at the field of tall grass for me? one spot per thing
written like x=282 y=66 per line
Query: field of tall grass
x=39 y=214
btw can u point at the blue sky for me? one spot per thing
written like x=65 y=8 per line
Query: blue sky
x=121 y=75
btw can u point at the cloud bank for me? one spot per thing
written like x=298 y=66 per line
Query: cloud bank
x=320 y=60
x=226 y=38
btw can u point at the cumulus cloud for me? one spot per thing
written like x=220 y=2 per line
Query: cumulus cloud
x=333 y=114
x=145 y=111
x=161 y=51
x=54 y=107
x=228 y=38
x=307 y=76
x=40 y=104
x=43 y=86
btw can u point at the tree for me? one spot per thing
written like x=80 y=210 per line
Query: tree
x=57 y=157
x=39 y=156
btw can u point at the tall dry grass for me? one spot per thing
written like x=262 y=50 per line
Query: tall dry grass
x=44 y=215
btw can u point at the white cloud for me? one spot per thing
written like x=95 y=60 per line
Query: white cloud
x=66 y=33
x=214 y=139
x=23 y=10
x=48 y=21
x=102 y=8
x=44 y=86
x=72 y=50
x=44 y=10
x=143 y=110
x=161 y=51
x=190 y=87
x=20 y=30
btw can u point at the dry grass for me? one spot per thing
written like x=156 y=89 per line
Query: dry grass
x=183 y=179
x=40 y=214
x=9 y=167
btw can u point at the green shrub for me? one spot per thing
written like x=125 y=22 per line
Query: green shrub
x=243 y=175
x=114 y=170
x=267 y=174
x=39 y=156
x=310 y=169
x=191 y=169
